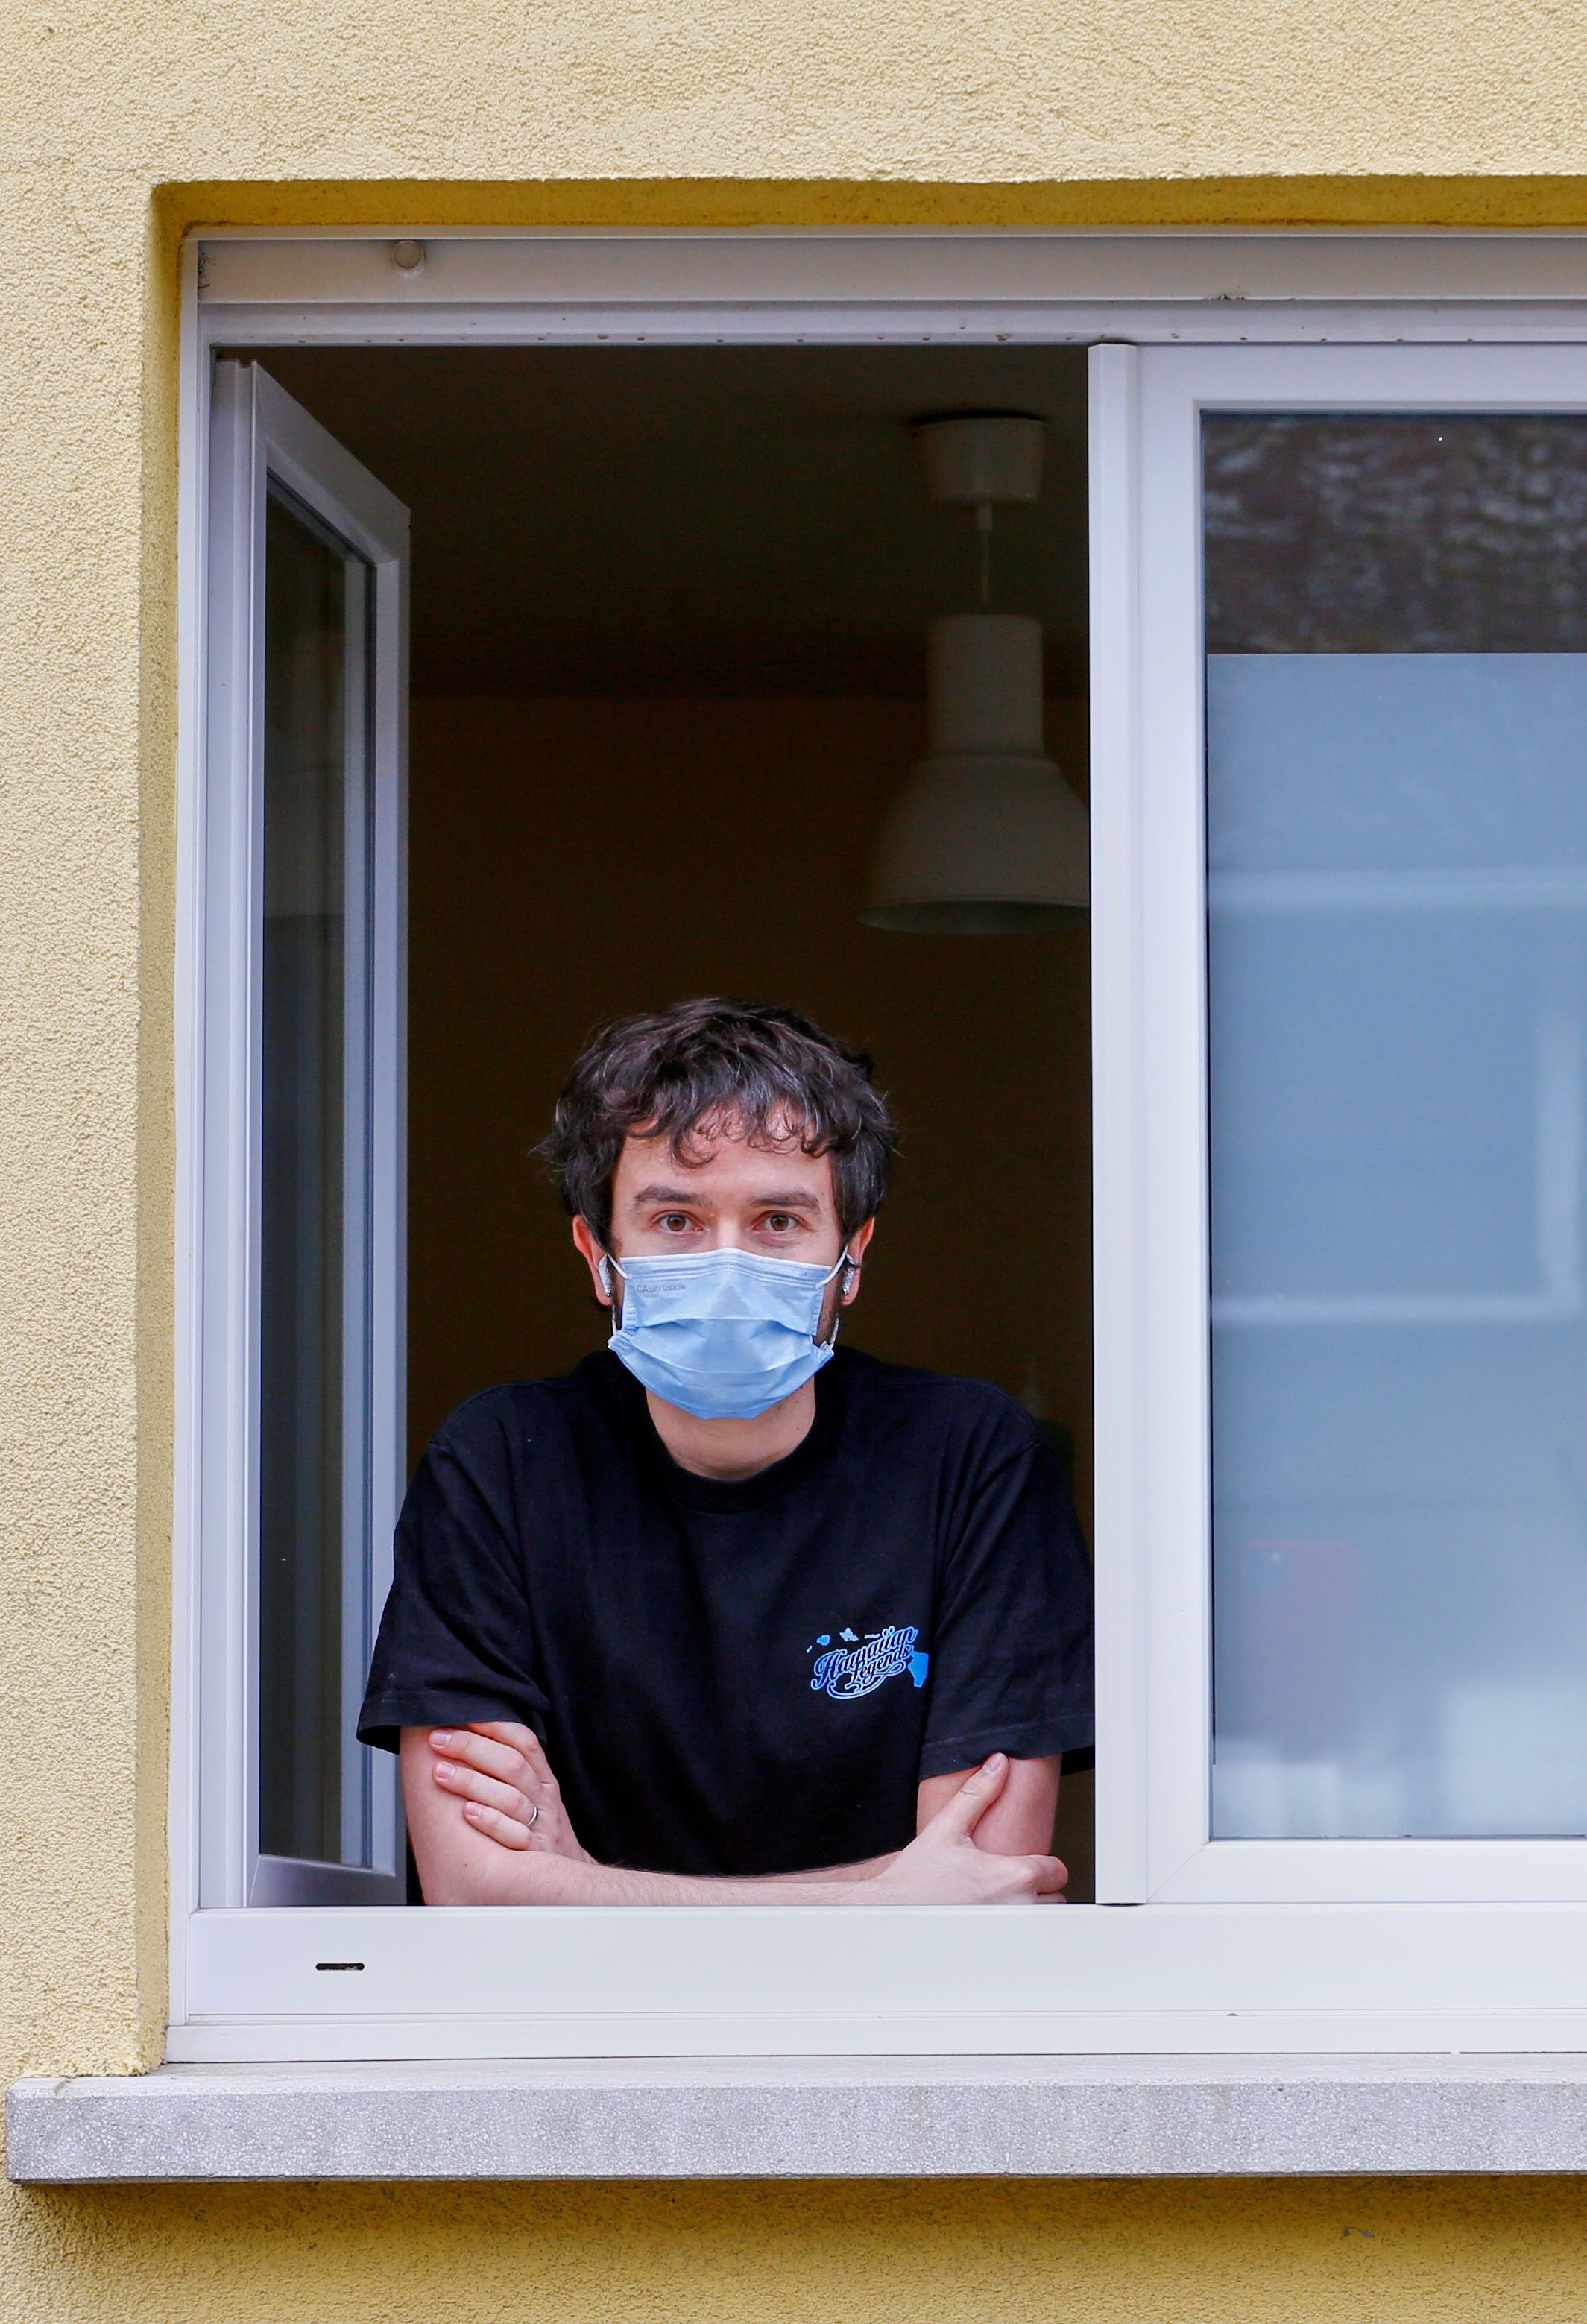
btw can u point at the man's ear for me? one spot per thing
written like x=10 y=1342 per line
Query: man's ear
x=591 y=1250
x=849 y=1281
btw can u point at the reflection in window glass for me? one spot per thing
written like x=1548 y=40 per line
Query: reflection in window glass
x=1396 y=767
x=302 y=1256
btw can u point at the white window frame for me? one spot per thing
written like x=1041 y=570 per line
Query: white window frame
x=257 y=437
x=1231 y=1951
x=1148 y=817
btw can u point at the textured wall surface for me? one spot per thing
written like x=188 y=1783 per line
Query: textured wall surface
x=974 y=2252
x=828 y=89
x=117 y=127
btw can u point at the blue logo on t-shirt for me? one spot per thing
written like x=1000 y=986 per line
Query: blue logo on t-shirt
x=845 y=1672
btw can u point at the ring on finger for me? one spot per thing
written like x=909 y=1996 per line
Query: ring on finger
x=534 y=1815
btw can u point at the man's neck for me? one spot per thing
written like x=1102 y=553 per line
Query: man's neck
x=729 y=1451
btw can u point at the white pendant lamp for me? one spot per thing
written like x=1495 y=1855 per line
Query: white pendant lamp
x=985 y=838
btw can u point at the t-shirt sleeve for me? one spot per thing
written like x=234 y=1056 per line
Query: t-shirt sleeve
x=1010 y=1666
x=455 y=1641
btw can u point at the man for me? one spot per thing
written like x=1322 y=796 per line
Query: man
x=728 y=1615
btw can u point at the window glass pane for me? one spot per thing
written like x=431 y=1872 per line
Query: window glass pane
x=303 y=1241
x=1397 y=759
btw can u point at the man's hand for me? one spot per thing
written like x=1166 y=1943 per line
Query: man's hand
x=943 y=1866
x=500 y=1776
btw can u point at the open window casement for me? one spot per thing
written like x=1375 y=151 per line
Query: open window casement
x=299 y=1369
x=1339 y=684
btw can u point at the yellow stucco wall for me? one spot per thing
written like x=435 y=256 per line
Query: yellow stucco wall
x=119 y=126
x=979 y=2253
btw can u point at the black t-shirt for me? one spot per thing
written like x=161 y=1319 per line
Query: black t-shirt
x=752 y=1677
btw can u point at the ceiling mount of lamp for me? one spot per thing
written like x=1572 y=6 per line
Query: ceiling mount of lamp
x=985 y=838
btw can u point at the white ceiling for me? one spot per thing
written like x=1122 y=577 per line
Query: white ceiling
x=700 y=520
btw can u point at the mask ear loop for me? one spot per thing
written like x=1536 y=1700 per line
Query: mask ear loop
x=850 y=1267
x=604 y=1272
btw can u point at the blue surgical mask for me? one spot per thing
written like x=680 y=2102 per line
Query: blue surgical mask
x=725 y=1334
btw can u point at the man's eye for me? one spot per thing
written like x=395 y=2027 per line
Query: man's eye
x=676 y=1222
x=777 y=1221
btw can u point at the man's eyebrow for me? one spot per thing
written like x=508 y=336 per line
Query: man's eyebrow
x=795 y=1199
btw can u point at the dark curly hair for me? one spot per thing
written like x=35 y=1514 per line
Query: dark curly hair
x=683 y=1072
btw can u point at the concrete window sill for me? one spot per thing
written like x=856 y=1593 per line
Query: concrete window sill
x=808 y=2119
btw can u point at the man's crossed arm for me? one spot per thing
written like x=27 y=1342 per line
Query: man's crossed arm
x=471 y=1795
